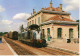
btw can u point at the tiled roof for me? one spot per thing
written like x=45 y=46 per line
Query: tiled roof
x=53 y=9
x=49 y=8
x=60 y=18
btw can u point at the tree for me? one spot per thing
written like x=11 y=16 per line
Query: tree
x=77 y=20
x=1 y=33
x=21 y=28
x=5 y=32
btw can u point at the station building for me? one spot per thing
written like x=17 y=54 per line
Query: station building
x=54 y=22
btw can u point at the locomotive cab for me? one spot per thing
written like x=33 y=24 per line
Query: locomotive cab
x=37 y=36
x=33 y=36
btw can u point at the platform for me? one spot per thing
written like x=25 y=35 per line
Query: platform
x=5 y=48
x=72 y=47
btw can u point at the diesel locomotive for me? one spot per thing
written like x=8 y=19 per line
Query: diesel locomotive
x=33 y=36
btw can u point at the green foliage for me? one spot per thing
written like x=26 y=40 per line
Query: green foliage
x=1 y=33
x=5 y=32
x=21 y=28
x=19 y=34
x=77 y=20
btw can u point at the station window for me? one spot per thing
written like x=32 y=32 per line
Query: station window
x=70 y=33
x=43 y=33
x=35 y=21
x=32 y=21
x=28 y=23
x=38 y=20
x=59 y=32
x=48 y=33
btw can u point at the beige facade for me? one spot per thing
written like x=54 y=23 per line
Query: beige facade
x=43 y=17
x=34 y=20
x=67 y=30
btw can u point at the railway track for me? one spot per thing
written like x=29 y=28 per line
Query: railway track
x=55 y=51
x=18 y=47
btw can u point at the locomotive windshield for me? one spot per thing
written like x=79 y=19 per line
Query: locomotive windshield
x=37 y=34
x=34 y=35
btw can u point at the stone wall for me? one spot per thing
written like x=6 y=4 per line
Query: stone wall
x=65 y=31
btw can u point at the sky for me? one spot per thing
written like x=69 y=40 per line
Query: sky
x=13 y=13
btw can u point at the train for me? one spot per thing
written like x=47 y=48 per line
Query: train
x=33 y=36
x=13 y=35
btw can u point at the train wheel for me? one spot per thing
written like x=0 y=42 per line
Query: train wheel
x=44 y=43
x=39 y=45
x=34 y=43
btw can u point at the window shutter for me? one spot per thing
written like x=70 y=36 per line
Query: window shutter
x=35 y=21
x=38 y=20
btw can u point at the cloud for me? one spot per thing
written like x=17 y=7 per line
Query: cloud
x=21 y=16
x=5 y=25
x=8 y=25
x=17 y=24
x=2 y=9
x=5 y=22
x=71 y=5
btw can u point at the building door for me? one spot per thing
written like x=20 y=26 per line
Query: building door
x=70 y=34
x=59 y=32
x=48 y=33
x=43 y=33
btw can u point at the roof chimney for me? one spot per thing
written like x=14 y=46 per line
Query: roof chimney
x=61 y=7
x=42 y=8
x=34 y=11
x=51 y=5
